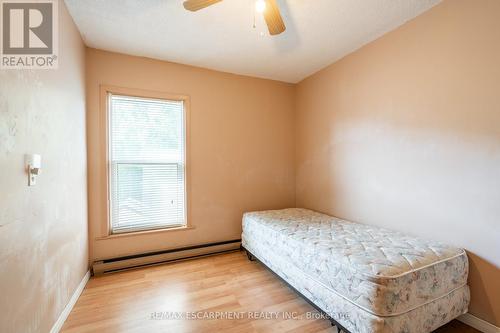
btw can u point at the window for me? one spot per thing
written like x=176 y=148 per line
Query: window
x=147 y=163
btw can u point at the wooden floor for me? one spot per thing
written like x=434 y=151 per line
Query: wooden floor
x=148 y=299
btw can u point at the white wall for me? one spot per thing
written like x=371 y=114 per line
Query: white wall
x=43 y=229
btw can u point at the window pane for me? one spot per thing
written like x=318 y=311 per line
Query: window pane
x=148 y=196
x=146 y=130
x=147 y=163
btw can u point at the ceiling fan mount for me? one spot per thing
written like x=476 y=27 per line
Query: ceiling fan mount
x=269 y=9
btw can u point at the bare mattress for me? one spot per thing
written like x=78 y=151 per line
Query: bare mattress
x=378 y=272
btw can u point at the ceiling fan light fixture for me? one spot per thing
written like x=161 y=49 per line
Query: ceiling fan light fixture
x=260 y=6
x=268 y=8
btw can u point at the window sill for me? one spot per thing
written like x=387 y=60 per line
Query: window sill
x=145 y=232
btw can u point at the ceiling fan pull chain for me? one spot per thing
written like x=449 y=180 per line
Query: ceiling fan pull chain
x=254 y=24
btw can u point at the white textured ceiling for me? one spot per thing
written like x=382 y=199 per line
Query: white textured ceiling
x=222 y=36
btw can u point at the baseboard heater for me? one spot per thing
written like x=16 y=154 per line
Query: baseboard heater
x=159 y=257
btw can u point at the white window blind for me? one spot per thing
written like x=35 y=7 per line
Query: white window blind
x=147 y=168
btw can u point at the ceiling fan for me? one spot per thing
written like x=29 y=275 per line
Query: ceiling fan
x=269 y=8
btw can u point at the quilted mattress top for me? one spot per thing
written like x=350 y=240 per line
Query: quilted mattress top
x=386 y=272
x=370 y=250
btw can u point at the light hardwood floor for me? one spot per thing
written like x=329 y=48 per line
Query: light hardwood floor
x=140 y=300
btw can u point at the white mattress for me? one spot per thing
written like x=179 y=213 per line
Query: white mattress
x=423 y=319
x=381 y=272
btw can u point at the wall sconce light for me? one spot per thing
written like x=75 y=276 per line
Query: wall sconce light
x=33 y=165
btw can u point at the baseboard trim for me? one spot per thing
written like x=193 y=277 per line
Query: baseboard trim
x=113 y=265
x=64 y=315
x=478 y=323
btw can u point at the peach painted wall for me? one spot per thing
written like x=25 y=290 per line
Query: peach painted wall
x=43 y=229
x=405 y=133
x=241 y=148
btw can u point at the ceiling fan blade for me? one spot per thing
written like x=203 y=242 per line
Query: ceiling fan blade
x=194 y=5
x=273 y=18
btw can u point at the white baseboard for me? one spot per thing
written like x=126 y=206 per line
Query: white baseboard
x=478 y=323
x=64 y=315
x=108 y=266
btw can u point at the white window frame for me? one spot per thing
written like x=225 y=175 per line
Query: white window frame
x=106 y=93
